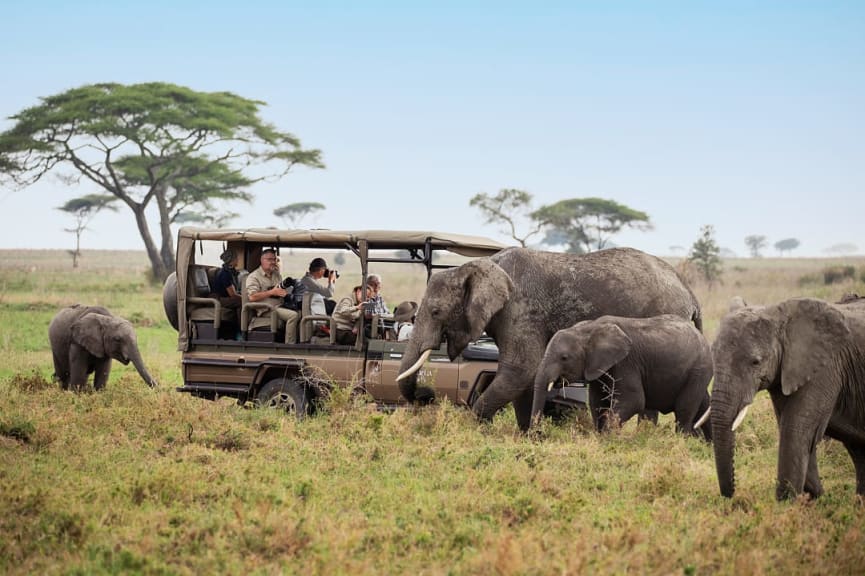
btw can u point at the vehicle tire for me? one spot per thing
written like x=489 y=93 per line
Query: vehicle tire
x=169 y=299
x=288 y=395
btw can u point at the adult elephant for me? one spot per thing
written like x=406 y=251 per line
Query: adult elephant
x=84 y=340
x=521 y=297
x=810 y=356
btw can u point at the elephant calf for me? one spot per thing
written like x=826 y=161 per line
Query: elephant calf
x=633 y=365
x=84 y=339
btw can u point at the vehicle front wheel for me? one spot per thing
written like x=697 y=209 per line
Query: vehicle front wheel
x=288 y=395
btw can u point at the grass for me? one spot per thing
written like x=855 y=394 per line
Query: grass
x=143 y=481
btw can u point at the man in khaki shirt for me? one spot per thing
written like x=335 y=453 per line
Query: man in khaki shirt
x=262 y=285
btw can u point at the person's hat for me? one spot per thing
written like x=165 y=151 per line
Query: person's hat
x=405 y=311
x=228 y=256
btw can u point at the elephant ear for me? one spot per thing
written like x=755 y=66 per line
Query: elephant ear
x=89 y=332
x=486 y=289
x=811 y=337
x=607 y=346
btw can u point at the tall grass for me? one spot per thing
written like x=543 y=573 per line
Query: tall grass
x=133 y=480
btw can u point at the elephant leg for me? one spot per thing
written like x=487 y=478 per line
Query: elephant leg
x=813 y=486
x=598 y=407
x=79 y=360
x=801 y=427
x=857 y=453
x=100 y=375
x=509 y=384
x=61 y=370
x=523 y=409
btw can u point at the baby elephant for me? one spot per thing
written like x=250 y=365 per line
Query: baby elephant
x=84 y=339
x=634 y=365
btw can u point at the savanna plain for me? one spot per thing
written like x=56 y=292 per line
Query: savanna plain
x=139 y=481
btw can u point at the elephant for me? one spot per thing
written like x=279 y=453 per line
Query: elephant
x=84 y=339
x=662 y=363
x=810 y=356
x=521 y=297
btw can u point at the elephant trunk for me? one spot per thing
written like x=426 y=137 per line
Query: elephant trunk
x=724 y=442
x=135 y=358
x=543 y=378
x=412 y=361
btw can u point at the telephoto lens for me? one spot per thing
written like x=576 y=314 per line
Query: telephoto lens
x=328 y=271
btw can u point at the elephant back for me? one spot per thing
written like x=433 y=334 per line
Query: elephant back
x=560 y=289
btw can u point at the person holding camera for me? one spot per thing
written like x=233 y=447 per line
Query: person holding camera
x=264 y=284
x=310 y=283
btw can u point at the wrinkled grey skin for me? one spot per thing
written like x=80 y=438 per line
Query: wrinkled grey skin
x=521 y=297
x=810 y=356
x=661 y=363
x=84 y=339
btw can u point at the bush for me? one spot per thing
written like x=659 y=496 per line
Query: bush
x=835 y=274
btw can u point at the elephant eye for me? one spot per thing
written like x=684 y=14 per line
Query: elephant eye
x=755 y=360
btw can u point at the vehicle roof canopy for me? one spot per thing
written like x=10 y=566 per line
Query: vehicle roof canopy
x=465 y=245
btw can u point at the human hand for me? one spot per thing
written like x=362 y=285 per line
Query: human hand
x=279 y=291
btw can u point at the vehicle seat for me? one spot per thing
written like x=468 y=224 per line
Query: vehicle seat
x=206 y=313
x=250 y=321
x=308 y=322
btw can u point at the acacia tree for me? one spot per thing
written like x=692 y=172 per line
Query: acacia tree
x=83 y=209
x=510 y=207
x=293 y=214
x=705 y=254
x=151 y=143
x=786 y=245
x=755 y=243
x=587 y=224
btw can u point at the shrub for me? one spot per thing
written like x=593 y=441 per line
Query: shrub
x=835 y=274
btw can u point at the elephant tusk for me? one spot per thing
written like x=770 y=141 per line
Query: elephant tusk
x=416 y=366
x=703 y=418
x=550 y=385
x=739 y=417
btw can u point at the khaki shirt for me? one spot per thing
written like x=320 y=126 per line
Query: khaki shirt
x=345 y=313
x=258 y=281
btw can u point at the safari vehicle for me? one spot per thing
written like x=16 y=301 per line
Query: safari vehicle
x=224 y=355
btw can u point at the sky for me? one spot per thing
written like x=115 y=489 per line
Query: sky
x=747 y=116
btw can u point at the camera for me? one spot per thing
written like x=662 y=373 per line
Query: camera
x=327 y=272
x=287 y=283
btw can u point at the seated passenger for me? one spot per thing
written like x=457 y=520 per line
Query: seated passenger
x=309 y=283
x=403 y=319
x=348 y=310
x=377 y=305
x=227 y=284
x=263 y=285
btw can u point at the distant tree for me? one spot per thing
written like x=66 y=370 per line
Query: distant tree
x=293 y=214
x=786 y=245
x=83 y=209
x=843 y=248
x=705 y=254
x=588 y=223
x=151 y=144
x=755 y=243
x=511 y=208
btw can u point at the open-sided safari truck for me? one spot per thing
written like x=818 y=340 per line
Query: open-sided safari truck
x=223 y=355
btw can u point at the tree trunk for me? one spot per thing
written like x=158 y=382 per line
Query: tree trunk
x=158 y=268
x=167 y=250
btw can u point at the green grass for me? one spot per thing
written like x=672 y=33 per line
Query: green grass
x=133 y=480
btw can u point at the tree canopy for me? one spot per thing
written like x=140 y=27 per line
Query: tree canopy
x=786 y=245
x=294 y=214
x=588 y=223
x=159 y=143
x=511 y=208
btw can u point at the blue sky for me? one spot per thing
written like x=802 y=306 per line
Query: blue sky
x=746 y=116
